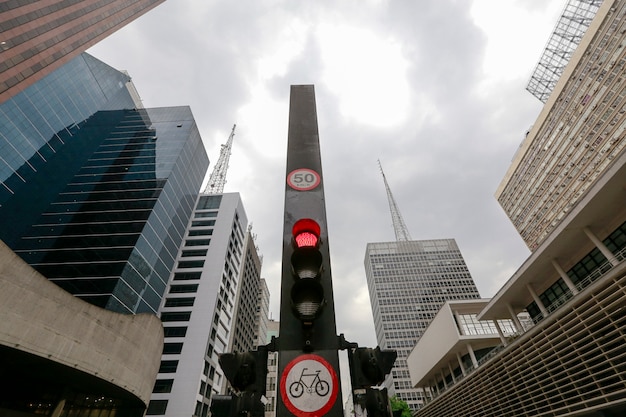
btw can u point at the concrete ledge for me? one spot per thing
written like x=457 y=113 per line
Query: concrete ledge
x=40 y=318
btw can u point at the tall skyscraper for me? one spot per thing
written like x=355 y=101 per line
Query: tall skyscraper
x=565 y=193
x=213 y=291
x=97 y=193
x=245 y=326
x=408 y=283
x=39 y=36
x=409 y=280
x=262 y=318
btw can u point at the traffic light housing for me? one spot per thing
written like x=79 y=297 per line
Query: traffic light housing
x=247 y=374
x=307 y=293
x=377 y=403
x=368 y=367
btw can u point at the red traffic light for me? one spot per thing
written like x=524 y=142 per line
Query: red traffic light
x=306 y=233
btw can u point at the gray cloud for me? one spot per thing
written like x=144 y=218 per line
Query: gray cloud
x=443 y=162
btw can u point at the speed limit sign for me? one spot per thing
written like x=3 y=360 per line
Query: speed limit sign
x=303 y=179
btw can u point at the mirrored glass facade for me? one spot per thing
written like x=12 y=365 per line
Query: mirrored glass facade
x=96 y=194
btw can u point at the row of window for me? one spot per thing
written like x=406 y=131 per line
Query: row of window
x=591 y=262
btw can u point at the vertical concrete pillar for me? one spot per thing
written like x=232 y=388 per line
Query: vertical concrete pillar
x=452 y=373
x=458 y=322
x=516 y=322
x=500 y=333
x=533 y=294
x=58 y=409
x=460 y=360
x=605 y=251
x=565 y=277
x=472 y=355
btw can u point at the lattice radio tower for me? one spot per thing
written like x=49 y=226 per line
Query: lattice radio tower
x=402 y=232
x=217 y=180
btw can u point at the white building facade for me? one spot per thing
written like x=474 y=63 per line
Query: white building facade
x=198 y=310
x=408 y=283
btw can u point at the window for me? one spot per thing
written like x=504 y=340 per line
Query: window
x=179 y=302
x=195 y=252
x=178 y=289
x=190 y=264
x=196 y=223
x=156 y=407
x=201 y=232
x=163 y=385
x=172 y=348
x=168 y=367
x=197 y=242
x=180 y=276
x=175 y=331
x=176 y=316
x=208 y=202
x=206 y=214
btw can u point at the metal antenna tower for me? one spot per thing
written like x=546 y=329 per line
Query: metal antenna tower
x=402 y=233
x=218 y=176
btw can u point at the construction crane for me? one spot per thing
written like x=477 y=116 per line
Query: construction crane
x=400 y=229
x=217 y=180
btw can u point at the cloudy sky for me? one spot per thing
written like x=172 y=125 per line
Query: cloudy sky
x=435 y=89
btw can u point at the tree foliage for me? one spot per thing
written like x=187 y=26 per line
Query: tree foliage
x=397 y=404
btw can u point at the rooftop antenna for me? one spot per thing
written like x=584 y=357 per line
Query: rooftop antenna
x=217 y=180
x=402 y=232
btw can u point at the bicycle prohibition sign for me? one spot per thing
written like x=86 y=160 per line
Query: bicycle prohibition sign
x=321 y=387
x=309 y=386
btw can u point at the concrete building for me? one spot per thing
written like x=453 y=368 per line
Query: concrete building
x=245 y=330
x=217 y=271
x=456 y=342
x=262 y=316
x=62 y=356
x=38 y=37
x=96 y=193
x=565 y=192
x=273 y=328
x=408 y=283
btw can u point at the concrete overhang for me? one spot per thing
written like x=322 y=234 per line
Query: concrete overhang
x=65 y=336
x=441 y=342
x=601 y=209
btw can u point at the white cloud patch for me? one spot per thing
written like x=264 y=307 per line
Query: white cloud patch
x=367 y=72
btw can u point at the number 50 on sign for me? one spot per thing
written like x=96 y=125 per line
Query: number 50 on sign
x=303 y=179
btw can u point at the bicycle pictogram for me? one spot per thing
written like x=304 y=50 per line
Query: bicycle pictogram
x=317 y=385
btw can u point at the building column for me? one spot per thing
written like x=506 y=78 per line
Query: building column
x=443 y=377
x=436 y=385
x=452 y=373
x=565 y=277
x=460 y=359
x=537 y=300
x=605 y=251
x=500 y=333
x=472 y=355
x=516 y=322
x=58 y=409
x=458 y=323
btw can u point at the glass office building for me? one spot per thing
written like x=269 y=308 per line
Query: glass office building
x=408 y=282
x=96 y=193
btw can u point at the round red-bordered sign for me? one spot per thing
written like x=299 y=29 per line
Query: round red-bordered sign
x=309 y=386
x=303 y=179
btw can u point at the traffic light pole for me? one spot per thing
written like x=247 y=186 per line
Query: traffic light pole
x=308 y=360
x=308 y=345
